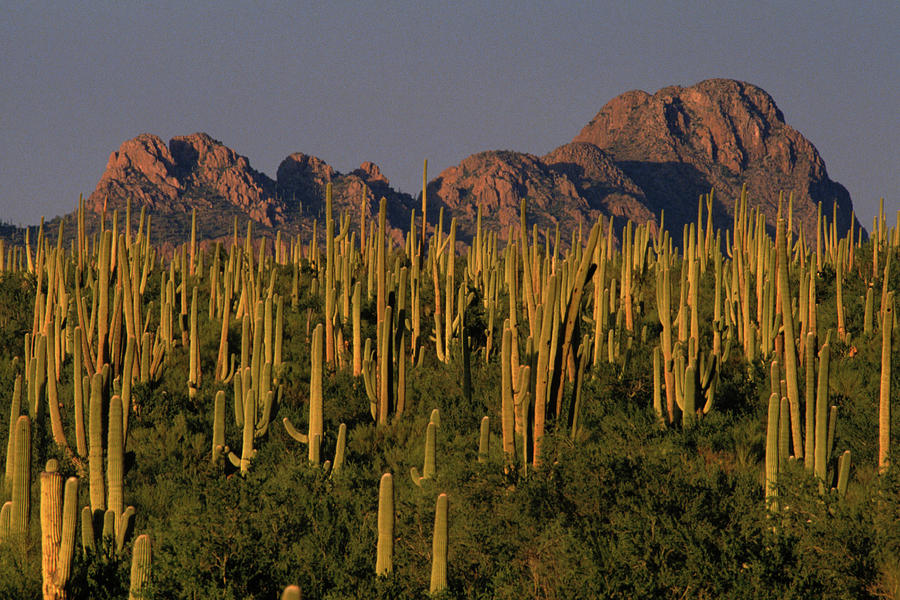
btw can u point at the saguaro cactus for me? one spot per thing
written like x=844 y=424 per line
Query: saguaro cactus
x=884 y=404
x=484 y=438
x=59 y=512
x=140 y=568
x=51 y=522
x=291 y=592
x=428 y=467
x=439 y=547
x=21 y=481
x=218 y=440
x=790 y=347
x=384 y=560
x=772 y=453
x=821 y=417
x=115 y=451
x=315 y=386
x=95 y=450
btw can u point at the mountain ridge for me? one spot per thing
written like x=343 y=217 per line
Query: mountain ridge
x=641 y=155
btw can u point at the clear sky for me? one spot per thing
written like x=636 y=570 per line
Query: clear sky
x=396 y=83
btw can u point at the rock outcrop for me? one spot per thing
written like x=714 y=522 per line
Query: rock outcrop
x=642 y=154
x=193 y=171
x=196 y=171
x=680 y=142
x=570 y=187
x=302 y=180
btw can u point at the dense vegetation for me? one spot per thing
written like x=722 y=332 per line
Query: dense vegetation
x=625 y=493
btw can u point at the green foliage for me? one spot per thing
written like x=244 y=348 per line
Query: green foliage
x=620 y=508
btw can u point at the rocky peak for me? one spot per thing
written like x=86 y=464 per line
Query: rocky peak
x=194 y=171
x=604 y=186
x=680 y=142
x=569 y=187
x=371 y=173
x=144 y=160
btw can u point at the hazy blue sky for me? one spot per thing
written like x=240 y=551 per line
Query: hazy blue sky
x=395 y=82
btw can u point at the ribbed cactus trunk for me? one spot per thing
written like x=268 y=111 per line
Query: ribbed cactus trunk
x=772 y=453
x=20 y=510
x=315 y=388
x=543 y=350
x=340 y=449
x=103 y=303
x=51 y=526
x=115 y=455
x=657 y=387
x=67 y=538
x=790 y=346
x=484 y=439
x=428 y=467
x=384 y=558
x=884 y=403
x=810 y=403
x=15 y=409
x=329 y=278
x=95 y=450
x=821 y=441
x=140 y=568
x=218 y=438
x=386 y=368
x=689 y=413
x=194 y=350
x=507 y=420
x=439 y=547
x=357 y=329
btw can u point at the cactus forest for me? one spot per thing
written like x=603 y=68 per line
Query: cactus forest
x=614 y=415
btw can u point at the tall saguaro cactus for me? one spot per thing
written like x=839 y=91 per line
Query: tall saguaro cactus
x=439 y=547
x=384 y=560
x=21 y=481
x=884 y=404
x=140 y=568
x=790 y=347
x=59 y=513
x=428 y=466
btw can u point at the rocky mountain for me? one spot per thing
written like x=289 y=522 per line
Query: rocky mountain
x=193 y=171
x=680 y=142
x=196 y=171
x=640 y=155
x=302 y=179
x=570 y=186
